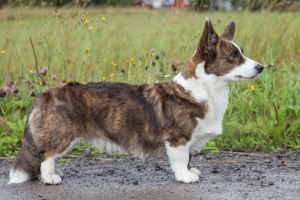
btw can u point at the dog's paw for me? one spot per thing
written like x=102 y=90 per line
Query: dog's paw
x=59 y=173
x=187 y=177
x=51 y=180
x=195 y=171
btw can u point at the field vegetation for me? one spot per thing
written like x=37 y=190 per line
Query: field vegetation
x=44 y=47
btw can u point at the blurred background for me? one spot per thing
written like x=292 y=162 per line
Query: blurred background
x=46 y=43
x=197 y=5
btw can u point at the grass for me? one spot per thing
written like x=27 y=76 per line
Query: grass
x=262 y=117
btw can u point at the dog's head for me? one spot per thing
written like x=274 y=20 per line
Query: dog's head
x=221 y=57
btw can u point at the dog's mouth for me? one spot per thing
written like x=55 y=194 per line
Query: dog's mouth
x=247 y=78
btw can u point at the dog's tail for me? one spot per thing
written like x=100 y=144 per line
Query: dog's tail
x=27 y=164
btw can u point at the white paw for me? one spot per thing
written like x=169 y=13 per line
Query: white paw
x=51 y=179
x=59 y=173
x=195 y=171
x=187 y=177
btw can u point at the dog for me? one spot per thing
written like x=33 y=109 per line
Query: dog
x=172 y=118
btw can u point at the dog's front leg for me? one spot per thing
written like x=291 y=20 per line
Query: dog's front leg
x=179 y=159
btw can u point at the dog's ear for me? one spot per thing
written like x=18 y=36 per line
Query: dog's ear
x=209 y=38
x=229 y=31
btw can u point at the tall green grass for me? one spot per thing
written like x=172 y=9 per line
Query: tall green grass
x=265 y=118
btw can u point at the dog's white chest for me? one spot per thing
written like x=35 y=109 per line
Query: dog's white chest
x=216 y=94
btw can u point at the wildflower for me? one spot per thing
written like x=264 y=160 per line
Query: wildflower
x=87 y=49
x=167 y=75
x=167 y=61
x=157 y=57
x=30 y=71
x=91 y=28
x=112 y=62
x=13 y=89
x=140 y=57
x=43 y=71
x=153 y=63
x=53 y=76
x=133 y=63
x=103 y=18
x=198 y=32
x=19 y=97
x=60 y=83
x=111 y=75
x=132 y=60
x=70 y=74
x=6 y=88
x=86 y=21
x=156 y=73
x=127 y=61
x=147 y=52
x=103 y=78
x=123 y=71
x=3 y=52
x=152 y=50
x=176 y=61
x=78 y=21
x=252 y=87
x=40 y=83
x=115 y=64
x=196 y=35
x=249 y=86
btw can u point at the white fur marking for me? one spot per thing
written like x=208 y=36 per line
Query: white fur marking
x=195 y=171
x=179 y=159
x=48 y=172
x=18 y=176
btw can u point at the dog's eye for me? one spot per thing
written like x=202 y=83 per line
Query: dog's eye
x=234 y=54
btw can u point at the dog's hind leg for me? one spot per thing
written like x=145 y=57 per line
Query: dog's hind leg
x=48 y=171
x=49 y=174
x=179 y=159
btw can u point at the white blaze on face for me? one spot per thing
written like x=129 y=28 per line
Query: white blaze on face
x=244 y=72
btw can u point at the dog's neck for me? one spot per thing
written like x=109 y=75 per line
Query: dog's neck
x=204 y=86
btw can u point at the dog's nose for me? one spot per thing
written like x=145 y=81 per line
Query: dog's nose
x=259 y=67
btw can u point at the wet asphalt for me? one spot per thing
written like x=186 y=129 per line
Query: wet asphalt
x=228 y=175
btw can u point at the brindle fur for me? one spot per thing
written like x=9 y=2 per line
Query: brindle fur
x=136 y=118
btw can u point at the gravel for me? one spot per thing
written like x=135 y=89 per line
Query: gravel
x=228 y=175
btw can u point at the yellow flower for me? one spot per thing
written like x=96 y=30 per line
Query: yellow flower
x=132 y=60
x=196 y=35
x=252 y=87
x=249 y=86
x=134 y=63
x=112 y=62
x=40 y=83
x=147 y=52
x=87 y=49
x=111 y=75
x=115 y=64
x=198 y=32
x=103 y=18
x=91 y=28
x=3 y=52
x=30 y=71
x=103 y=78
x=86 y=21
x=127 y=61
